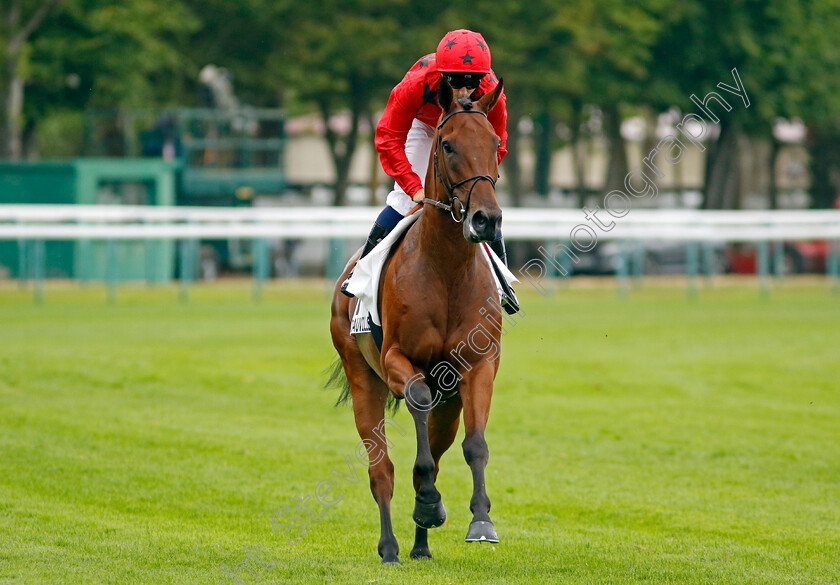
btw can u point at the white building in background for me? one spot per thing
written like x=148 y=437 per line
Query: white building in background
x=308 y=162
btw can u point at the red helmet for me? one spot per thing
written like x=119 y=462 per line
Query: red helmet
x=463 y=51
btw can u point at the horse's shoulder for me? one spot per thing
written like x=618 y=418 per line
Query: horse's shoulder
x=407 y=246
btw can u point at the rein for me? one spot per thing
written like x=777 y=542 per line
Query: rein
x=455 y=202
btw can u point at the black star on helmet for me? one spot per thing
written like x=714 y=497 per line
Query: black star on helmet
x=482 y=45
x=467 y=58
x=450 y=43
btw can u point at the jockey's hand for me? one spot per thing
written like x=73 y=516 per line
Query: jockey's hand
x=419 y=196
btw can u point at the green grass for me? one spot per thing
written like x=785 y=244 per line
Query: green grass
x=653 y=439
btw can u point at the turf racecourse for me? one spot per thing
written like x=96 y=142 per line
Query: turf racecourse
x=652 y=439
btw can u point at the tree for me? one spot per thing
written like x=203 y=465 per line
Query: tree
x=560 y=58
x=346 y=56
x=98 y=53
x=786 y=54
x=533 y=58
x=20 y=19
x=250 y=38
x=614 y=39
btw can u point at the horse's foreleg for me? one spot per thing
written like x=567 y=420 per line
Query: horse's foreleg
x=369 y=396
x=476 y=392
x=443 y=426
x=406 y=381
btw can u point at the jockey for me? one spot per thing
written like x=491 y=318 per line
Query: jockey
x=406 y=130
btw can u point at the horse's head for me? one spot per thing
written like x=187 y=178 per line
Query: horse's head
x=465 y=161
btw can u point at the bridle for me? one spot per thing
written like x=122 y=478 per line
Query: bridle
x=455 y=202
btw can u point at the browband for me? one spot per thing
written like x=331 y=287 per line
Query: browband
x=449 y=115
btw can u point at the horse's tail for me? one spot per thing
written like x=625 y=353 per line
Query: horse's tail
x=338 y=379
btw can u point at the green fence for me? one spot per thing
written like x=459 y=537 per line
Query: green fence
x=92 y=181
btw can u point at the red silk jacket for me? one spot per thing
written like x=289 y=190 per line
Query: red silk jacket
x=416 y=97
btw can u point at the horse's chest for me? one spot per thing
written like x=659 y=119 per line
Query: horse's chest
x=448 y=320
x=436 y=337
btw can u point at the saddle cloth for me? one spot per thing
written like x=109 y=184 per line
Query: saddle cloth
x=364 y=283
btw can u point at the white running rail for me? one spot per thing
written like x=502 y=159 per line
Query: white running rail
x=105 y=222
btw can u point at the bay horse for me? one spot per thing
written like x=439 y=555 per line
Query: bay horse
x=433 y=293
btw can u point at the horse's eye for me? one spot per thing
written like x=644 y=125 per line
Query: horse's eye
x=448 y=147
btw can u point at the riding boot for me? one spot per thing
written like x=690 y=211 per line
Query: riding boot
x=509 y=300
x=377 y=233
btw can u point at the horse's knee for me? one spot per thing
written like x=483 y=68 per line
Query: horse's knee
x=418 y=397
x=382 y=471
x=382 y=480
x=475 y=449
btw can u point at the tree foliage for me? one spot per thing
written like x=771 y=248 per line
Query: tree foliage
x=786 y=54
x=342 y=57
x=19 y=20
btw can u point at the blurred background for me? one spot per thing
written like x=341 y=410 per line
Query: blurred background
x=260 y=103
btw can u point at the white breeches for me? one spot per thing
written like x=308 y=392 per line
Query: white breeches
x=418 y=146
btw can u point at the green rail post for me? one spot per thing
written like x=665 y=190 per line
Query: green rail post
x=23 y=260
x=565 y=274
x=622 y=269
x=111 y=267
x=335 y=259
x=692 y=261
x=38 y=261
x=708 y=260
x=186 y=268
x=638 y=263
x=149 y=249
x=834 y=265
x=779 y=259
x=261 y=262
x=764 y=268
x=85 y=253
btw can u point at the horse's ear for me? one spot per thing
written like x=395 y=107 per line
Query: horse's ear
x=488 y=100
x=445 y=94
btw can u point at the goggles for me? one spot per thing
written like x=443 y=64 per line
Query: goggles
x=468 y=80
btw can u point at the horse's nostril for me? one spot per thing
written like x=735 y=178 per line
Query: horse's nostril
x=480 y=220
x=492 y=222
x=496 y=223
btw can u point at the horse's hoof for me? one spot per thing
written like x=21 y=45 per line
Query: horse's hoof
x=389 y=551
x=429 y=515
x=482 y=531
x=421 y=554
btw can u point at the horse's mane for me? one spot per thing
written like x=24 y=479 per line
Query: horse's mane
x=465 y=103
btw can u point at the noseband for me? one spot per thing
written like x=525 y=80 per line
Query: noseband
x=455 y=202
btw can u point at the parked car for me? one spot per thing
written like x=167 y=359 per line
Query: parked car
x=657 y=258
x=799 y=257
